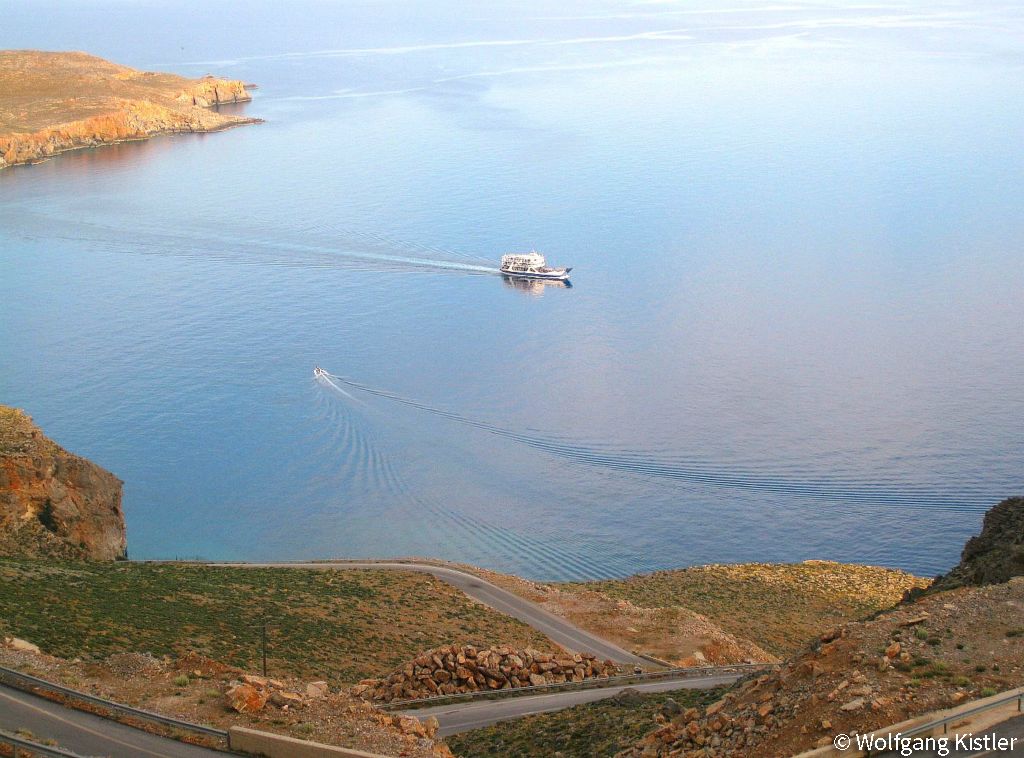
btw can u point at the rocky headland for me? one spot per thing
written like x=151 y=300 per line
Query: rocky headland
x=995 y=555
x=54 y=503
x=52 y=102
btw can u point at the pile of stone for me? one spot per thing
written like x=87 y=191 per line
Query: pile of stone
x=458 y=669
x=252 y=693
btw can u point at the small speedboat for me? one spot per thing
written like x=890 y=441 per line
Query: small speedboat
x=531 y=265
x=318 y=372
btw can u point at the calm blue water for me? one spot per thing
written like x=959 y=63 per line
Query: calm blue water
x=795 y=330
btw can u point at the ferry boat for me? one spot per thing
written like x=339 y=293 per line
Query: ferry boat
x=531 y=265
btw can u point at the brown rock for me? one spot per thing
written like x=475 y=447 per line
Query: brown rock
x=283 y=699
x=14 y=643
x=317 y=690
x=71 y=502
x=245 y=698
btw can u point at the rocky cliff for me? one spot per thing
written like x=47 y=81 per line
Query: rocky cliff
x=52 y=502
x=995 y=555
x=55 y=102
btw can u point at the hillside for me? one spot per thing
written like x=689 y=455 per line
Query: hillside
x=721 y=613
x=339 y=626
x=54 y=503
x=945 y=649
x=592 y=730
x=938 y=648
x=51 y=102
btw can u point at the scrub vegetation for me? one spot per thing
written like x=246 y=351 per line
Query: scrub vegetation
x=338 y=625
x=591 y=730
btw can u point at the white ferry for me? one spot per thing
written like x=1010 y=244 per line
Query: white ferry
x=531 y=265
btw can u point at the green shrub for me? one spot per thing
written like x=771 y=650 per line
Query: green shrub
x=181 y=681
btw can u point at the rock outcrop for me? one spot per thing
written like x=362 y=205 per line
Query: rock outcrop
x=996 y=555
x=54 y=102
x=465 y=668
x=52 y=502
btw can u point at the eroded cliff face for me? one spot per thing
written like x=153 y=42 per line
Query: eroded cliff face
x=55 y=102
x=996 y=555
x=52 y=502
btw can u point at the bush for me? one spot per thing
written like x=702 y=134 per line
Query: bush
x=181 y=681
x=988 y=692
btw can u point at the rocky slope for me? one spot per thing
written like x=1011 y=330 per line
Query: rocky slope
x=54 y=102
x=995 y=555
x=52 y=502
x=938 y=652
x=932 y=651
x=195 y=688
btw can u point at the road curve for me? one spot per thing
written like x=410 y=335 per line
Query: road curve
x=461 y=717
x=86 y=733
x=558 y=629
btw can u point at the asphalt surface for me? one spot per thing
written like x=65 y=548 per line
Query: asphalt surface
x=86 y=733
x=461 y=717
x=558 y=629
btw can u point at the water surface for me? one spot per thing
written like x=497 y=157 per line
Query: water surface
x=795 y=325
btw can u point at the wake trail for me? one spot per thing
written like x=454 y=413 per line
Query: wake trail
x=650 y=464
x=559 y=561
x=355 y=249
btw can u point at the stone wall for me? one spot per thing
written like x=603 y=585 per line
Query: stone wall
x=458 y=669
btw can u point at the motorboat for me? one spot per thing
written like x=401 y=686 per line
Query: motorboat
x=531 y=265
x=318 y=372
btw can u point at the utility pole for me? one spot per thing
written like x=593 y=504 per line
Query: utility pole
x=264 y=648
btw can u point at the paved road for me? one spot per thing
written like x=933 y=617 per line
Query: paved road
x=461 y=717
x=85 y=733
x=558 y=629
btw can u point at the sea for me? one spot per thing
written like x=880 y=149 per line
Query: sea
x=795 y=325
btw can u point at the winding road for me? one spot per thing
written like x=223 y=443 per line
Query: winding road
x=462 y=717
x=85 y=733
x=558 y=629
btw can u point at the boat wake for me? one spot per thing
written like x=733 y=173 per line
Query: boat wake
x=677 y=468
x=302 y=246
x=438 y=529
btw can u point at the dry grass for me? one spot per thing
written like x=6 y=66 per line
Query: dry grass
x=776 y=605
x=40 y=89
x=338 y=625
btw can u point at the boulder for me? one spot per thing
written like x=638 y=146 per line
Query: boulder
x=318 y=689
x=245 y=698
x=14 y=643
x=283 y=699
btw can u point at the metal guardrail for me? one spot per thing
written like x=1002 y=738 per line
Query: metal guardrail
x=681 y=674
x=27 y=682
x=946 y=720
x=35 y=748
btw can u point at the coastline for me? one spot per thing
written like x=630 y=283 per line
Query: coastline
x=44 y=92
